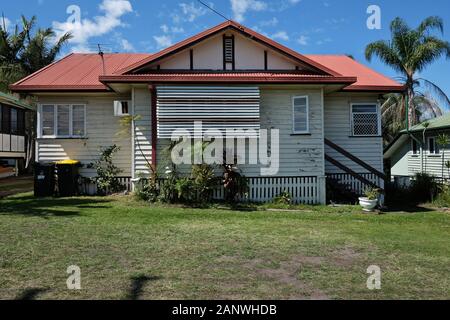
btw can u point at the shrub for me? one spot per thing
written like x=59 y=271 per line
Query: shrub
x=185 y=190
x=423 y=188
x=234 y=183
x=107 y=172
x=204 y=181
x=443 y=197
x=147 y=189
x=168 y=192
x=283 y=198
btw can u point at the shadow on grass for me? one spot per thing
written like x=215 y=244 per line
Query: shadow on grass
x=137 y=283
x=406 y=208
x=28 y=205
x=30 y=294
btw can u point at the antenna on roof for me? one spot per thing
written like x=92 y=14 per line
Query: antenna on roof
x=213 y=10
x=101 y=54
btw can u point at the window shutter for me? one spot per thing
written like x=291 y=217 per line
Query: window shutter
x=217 y=107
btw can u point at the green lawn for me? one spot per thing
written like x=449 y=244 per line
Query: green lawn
x=129 y=250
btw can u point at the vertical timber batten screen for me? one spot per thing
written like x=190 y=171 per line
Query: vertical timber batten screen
x=234 y=107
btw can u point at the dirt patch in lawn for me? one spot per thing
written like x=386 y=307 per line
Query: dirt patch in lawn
x=344 y=257
x=287 y=274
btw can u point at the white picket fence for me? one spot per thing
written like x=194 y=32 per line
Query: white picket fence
x=91 y=188
x=305 y=190
x=356 y=185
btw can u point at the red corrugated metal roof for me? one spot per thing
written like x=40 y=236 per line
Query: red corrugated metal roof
x=83 y=72
x=228 y=77
x=77 y=71
x=367 y=78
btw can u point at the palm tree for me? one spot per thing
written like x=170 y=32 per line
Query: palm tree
x=22 y=52
x=409 y=52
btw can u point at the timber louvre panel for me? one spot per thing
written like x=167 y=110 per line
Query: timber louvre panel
x=236 y=107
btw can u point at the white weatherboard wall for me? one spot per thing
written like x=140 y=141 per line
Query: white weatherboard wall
x=208 y=55
x=424 y=161
x=338 y=130
x=142 y=101
x=101 y=131
x=300 y=155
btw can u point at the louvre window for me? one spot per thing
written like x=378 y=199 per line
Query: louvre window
x=219 y=108
x=300 y=114
x=228 y=49
x=365 y=120
x=64 y=121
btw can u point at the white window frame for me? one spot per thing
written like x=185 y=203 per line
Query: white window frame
x=55 y=121
x=352 y=127
x=436 y=147
x=307 y=115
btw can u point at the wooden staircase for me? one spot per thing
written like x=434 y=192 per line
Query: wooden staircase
x=350 y=180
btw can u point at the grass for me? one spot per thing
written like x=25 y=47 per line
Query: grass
x=133 y=250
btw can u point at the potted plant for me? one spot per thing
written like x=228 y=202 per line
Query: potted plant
x=370 y=201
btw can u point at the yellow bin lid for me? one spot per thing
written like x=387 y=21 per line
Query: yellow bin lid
x=73 y=162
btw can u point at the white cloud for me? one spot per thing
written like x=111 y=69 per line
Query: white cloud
x=126 y=45
x=164 y=28
x=303 y=40
x=190 y=12
x=294 y=1
x=323 y=41
x=84 y=29
x=174 y=29
x=281 y=35
x=269 y=23
x=240 y=8
x=163 y=41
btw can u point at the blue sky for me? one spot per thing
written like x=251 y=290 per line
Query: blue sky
x=308 y=26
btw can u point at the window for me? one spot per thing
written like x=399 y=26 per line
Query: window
x=20 y=122
x=6 y=119
x=62 y=120
x=78 y=120
x=433 y=148
x=14 y=128
x=415 y=147
x=365 y=120
x=228 y=44
x=300 y=115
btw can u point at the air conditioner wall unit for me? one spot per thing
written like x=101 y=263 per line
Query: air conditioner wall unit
x=122 y=108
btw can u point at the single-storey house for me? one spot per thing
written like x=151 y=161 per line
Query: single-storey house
x=326 y=108
x=13 y=140
x=417 y=150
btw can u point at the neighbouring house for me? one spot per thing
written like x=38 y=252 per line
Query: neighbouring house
x=13 y=139
x=418 y=150
x=326 y=108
